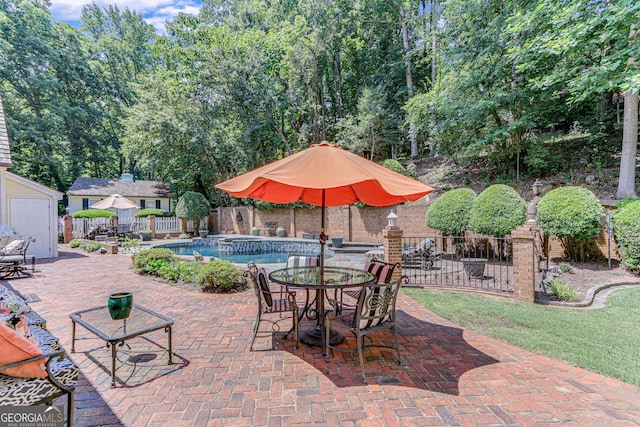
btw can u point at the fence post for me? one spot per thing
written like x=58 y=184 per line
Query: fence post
x=152 y=225
x=525 y=261
x=68 y=228
x=392 y=241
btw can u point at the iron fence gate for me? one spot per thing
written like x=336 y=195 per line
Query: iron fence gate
x=478 y=263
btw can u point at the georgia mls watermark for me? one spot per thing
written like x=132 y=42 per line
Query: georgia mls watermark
x=31 y=416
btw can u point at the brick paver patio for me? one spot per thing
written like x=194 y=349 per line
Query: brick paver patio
x=451 y=376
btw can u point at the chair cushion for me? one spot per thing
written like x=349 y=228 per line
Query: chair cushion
x=381 y=270
x=13 y=247
x=12 y=303
x=18 y=323
x=15 y=348
x=302 y=261
x=263 y=281
x=378 y=301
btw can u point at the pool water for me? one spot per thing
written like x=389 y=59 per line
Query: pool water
x=209 y=251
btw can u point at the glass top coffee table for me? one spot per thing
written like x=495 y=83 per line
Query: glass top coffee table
x=115 y=332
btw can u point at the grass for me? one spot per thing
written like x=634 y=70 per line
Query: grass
x=605 y=340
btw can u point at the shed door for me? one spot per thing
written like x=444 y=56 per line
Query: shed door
x=32 y=217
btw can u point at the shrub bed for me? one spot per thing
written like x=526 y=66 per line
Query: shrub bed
x=86 y=245
x=221 y=276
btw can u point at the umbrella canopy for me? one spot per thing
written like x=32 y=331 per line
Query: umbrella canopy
x=115 y=201
x=326 y=175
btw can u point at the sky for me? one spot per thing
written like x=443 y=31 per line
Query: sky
x=155 y=12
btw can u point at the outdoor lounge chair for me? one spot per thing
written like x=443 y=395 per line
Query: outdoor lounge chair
x=270 y=302
x=13 y=259
x=376 y=309
x=421 y=255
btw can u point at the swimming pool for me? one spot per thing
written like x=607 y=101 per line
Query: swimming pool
x=242 y=250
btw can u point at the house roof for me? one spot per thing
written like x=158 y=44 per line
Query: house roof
x=57 y=195
x=5 y=154
x=104 y=187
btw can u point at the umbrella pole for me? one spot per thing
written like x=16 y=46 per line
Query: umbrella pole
x=323 y=238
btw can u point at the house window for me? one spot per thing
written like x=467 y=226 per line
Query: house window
x=158 y=204
x=85 y=203
x=143 y=204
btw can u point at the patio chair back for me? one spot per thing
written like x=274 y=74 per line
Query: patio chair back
x=382 y=270
x=294 y=260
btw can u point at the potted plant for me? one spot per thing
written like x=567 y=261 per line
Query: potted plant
x=337 y=242
x=145 y=235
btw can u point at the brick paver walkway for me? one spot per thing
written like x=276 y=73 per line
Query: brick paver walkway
x=451 y=376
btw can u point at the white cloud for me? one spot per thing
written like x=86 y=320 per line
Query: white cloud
x=155 y=12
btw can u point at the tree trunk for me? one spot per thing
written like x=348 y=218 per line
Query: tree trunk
x=434 y=45
x=627 y=179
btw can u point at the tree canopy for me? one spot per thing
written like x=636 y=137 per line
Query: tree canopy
x=245 y=82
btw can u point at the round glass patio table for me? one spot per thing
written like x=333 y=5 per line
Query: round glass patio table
x=308 y=278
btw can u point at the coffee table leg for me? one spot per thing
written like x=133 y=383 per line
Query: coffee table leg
x=168 y=329
x=113 y=361
x=73 y=336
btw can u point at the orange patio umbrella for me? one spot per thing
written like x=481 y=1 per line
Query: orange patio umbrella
x=325 y=175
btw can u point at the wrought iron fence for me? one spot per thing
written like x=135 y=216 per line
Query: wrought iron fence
x=479 y=263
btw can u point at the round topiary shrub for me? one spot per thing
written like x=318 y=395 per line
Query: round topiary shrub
x=626 y=229
x=449 y=213
x=572 y=214
x=94 y=213
x=145 y=257
x=192 y=206
x=497 y=211
x=394 y=165
x=143 y=213
x=220 y=276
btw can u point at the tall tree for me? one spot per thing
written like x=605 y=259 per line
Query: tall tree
x=627 y=178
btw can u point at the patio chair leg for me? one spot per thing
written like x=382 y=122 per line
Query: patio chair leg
x=360 y=340
x=256 y=325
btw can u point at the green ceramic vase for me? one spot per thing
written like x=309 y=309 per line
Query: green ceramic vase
x=120 y=304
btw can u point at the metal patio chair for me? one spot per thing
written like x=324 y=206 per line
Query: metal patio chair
x=270 y=302
x=376 y=310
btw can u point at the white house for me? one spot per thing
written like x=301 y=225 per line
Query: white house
x=84 y=192
x=30 y=208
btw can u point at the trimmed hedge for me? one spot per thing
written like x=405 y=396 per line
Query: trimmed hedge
x=450 y=212
x=573 y=215
x=626 y=229
x=497 y=211
x=221 y=276
x=143 y=213
x=94 y=213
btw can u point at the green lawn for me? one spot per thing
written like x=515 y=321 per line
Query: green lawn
x=605 y=340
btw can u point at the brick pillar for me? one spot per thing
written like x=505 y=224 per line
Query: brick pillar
x=152 y=226
x=392 y=242
x=526 y=239
x=68 y=228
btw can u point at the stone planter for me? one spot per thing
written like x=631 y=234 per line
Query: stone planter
x=203 y=233
x=145 y=237
x=281 y=232
x=474 y=267
x=255 y=231
x=337 y=242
